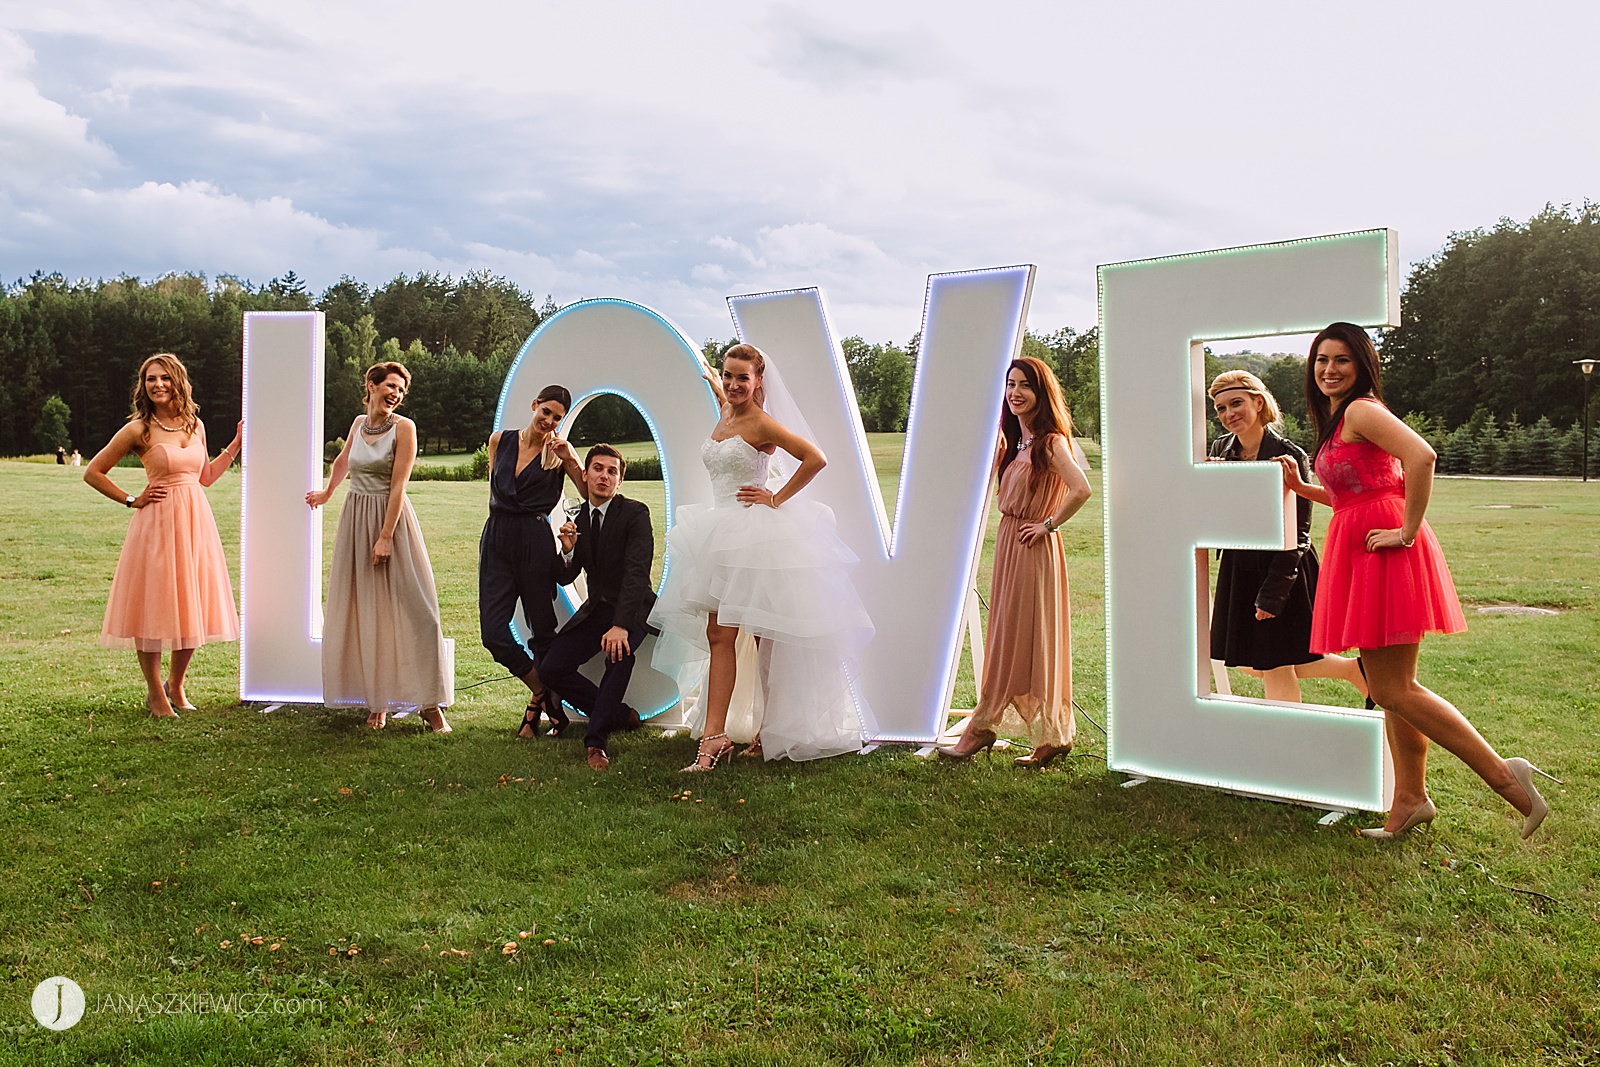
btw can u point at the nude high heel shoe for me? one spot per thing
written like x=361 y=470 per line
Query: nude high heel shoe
x=1423 y=814
x=971 y=743
x=1523 y=772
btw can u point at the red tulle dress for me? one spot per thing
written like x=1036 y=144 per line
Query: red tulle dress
x=171 y=588
x=1375 y=599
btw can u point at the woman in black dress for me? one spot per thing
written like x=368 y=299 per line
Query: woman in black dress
x=517 y=553
x=1261 y=617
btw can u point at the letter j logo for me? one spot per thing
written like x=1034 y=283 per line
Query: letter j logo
x=58 y=1003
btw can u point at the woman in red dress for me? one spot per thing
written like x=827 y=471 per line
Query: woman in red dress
x=1384 y=582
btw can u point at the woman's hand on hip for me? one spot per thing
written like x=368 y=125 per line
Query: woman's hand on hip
x=755 y=494
x=1378 y=540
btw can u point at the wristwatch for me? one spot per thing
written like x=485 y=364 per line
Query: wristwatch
x=1049 y=525
x=128 y=500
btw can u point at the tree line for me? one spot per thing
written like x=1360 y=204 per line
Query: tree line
x=1491 y=325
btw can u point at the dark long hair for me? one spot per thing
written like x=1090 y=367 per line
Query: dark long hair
x=1324 y=418
x=558 y=393
x=1050 y=417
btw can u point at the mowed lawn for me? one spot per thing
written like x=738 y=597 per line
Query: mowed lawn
x=396 y=897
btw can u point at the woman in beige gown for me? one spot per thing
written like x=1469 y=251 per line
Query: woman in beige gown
x=1028 y=656
x=382 y=643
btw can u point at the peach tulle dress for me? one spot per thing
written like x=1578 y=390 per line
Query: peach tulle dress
x=1375 y=599
x=1028 y=656
x=171 y=589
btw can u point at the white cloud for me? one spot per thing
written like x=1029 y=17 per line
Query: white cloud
x=40 y=140
x=679 y=153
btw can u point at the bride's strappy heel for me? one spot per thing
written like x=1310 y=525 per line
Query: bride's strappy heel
x=707 y=758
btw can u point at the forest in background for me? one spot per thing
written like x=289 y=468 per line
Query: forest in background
x=1482 y=364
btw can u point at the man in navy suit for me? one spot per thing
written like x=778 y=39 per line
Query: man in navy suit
x=612 y=543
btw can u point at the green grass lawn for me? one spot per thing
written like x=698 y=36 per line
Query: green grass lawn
x=876 y=909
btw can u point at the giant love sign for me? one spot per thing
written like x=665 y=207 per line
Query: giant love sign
x=1163 y=506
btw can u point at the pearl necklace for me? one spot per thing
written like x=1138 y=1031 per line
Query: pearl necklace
x=163 y=425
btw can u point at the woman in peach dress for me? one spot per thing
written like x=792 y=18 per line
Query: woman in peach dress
x=171 y=589
x=1028 y=656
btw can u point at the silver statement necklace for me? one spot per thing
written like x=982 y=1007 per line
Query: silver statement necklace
x=382 y=427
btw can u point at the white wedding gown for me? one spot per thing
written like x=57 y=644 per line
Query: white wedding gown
x=780 y=574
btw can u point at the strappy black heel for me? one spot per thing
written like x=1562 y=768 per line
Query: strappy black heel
x=547 y=707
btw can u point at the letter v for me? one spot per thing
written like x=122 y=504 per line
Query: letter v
x=913 y=577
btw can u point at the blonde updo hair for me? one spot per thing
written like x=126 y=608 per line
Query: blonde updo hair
x=1243 y=379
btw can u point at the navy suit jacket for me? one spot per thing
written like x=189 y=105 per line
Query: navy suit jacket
x=618 y=567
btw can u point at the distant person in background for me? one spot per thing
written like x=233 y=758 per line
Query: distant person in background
x=382 y=643
x=1384 y=582
x=611 y=541
x=61 y=456
x=1028 y=656
x=77 y=458
x=1261 y=614
x=171 y=589
x=517 y=552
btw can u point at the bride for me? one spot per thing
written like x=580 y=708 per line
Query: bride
x=757 y=563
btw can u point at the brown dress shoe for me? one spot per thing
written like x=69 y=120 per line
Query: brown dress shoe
x=597 y=758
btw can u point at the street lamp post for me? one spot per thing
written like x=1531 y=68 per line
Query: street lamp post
x=1587 y=366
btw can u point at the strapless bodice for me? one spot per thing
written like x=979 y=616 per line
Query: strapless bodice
x=168 y=464
x=733 y=463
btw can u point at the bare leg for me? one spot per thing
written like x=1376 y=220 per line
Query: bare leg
x=155 y=697
x=1281 y=683
x=177 y=669
x=723 y=673
x=1392 y=673
x=1344 y=668
x=724 y=670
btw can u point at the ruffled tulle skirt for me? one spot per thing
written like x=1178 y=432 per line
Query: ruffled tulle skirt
x=781 y=575
x=1375 y=599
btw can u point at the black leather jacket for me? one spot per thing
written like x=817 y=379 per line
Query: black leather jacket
x=1283 y=568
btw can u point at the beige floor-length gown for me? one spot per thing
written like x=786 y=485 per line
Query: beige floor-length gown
x=1028 y=657
x=382 y=643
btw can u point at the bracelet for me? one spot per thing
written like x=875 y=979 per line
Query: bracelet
x=1050 y=524
x=1407 y=544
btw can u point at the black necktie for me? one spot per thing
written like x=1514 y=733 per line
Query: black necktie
x=595 y=515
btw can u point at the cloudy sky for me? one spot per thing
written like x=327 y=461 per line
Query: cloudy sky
x=676 y=153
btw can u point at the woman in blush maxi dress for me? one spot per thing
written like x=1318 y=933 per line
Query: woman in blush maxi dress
x=171 y=589
x=1028 y=655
